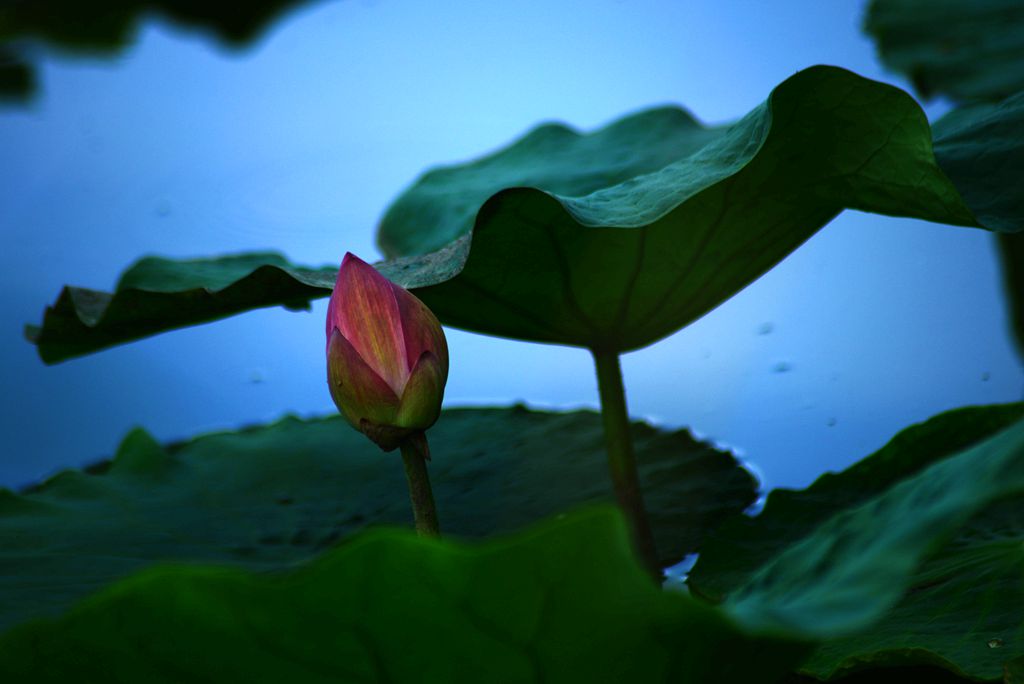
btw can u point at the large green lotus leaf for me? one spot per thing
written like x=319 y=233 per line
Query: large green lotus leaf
x=105 y=27
x=627 y=248
x=564 y=602
x=947 y=492
x=275 y=495
x=967 y=49
x=156 y=295
x=619 y=237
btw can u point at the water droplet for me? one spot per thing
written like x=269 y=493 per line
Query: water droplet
x=831 y=422
x=782 y=367
x=986 y=376
x=765 y=328
x=995 y=643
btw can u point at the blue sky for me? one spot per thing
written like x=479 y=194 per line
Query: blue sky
x=181 y=148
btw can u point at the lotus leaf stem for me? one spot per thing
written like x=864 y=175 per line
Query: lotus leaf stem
x=622 y=459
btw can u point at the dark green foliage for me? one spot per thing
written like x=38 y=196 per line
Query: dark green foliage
x=272 y=496
x=1013 y=673
x=744 y=544
x=971 y=50
x=17 y=80
x=966 y=594
x=105 y=27
x=981 y=148
x=564 y=602
x=967 y=49
x=568 y=601
x=156 y=295
x=890 y=675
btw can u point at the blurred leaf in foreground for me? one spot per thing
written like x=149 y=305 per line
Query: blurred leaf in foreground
x=106 y=27
x=275 y=495
x=564 y=602
x=968 y=49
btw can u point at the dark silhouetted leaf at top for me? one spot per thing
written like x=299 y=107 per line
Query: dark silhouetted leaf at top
x=967 y=49
x=271 y=496
x=928 y=495
x=564 y=602
x=617 y=238
x=17 y=80
x=105 y=27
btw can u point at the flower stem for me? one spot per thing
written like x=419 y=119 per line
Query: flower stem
x=622 y=460
x=414 y=455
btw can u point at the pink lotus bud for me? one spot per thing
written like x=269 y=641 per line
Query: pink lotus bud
x=387 y=359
